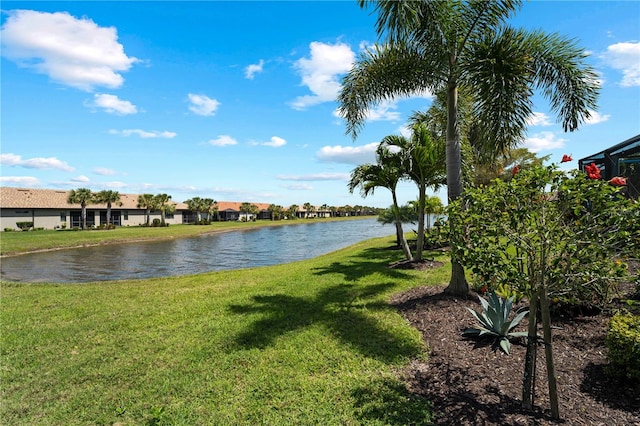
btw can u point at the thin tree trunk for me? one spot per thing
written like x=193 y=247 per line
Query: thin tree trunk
x=84 y=217
x=399 y=232
x=420 y=239
x=529 y=378
x=458 y=283
x=548 y=351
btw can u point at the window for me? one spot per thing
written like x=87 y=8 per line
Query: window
x=63 y=216
x=168 y=216
x=125 y=215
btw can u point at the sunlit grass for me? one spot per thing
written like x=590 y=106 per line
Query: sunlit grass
x=310 y=342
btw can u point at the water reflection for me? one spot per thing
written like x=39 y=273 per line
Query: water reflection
x=230 y=250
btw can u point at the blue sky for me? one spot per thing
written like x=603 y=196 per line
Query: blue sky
x=235 y=100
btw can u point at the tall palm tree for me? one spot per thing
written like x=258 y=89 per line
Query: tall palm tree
x=161 y=202
x=82 y=196
x=147 y=202
x=423 y=161
x=292 y=211
x=443 y=45
x=308 y=208
x=386 y=173
x=432 y=206
x=109 y=197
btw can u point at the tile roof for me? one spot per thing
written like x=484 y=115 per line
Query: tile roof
x=29 y=198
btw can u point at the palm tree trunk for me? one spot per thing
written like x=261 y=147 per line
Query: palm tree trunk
x=402 y=241
x=420 y=239
x=84 y=216
x=458 y=284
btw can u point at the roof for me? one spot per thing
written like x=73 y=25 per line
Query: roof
x=235 y=206
x=631 y=145
x=29 y=198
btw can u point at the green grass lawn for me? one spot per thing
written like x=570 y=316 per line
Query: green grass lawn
x=308 y=343
x=20 y=242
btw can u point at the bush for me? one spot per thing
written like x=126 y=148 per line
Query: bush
x=25 y=226
x=8 y=229
x=623 y=342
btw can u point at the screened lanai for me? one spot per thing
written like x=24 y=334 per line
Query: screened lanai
x=622 y=159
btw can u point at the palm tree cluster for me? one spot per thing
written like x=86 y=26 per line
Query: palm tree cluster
x=447 y=47
x=203 y=207
x=85 y=196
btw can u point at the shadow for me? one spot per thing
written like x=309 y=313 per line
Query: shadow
x=462 y=405
x=390 y=403
x=616 y=392
x=344 y=310
x=371 y=261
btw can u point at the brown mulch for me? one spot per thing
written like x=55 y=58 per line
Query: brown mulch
x=470 y=382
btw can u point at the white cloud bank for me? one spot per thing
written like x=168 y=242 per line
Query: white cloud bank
x=26 y=181
x=626 y=58
x=202 y=104
x=74 y=52
x=34 y=163
x=543 y=141
x=315 y=177
x=349 y=154
x=112 y=104
x=223 y=140
x=320 y=72
x=274 y=142
x=145 y=134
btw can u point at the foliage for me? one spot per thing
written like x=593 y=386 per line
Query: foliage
x=25 y=226
x=494 y=321
x=623 y=342
x=565 y=232
x=438 y=235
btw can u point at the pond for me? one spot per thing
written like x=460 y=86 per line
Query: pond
x=229 y=250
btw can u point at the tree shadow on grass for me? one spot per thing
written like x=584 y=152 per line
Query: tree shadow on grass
x=344 y=310
x=373 y=260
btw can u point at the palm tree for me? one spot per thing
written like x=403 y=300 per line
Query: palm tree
x=441 y=45
x=432 y=206
x=82 y=196
x=386 y=173
x=109 y=197
x=161 y=202
x=147 y=202
x=423 y=161
x=292 y=211
x=308 y=208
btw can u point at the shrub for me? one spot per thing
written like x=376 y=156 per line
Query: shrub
x=8 y=229
x=156 y=223
x=25 y=226
x=623 y=342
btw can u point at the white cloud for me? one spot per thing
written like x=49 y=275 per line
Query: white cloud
x=103 y=171
x=145 y=134
x=543 y=141
x=19 y=180
x=626 y=58
x=252 y=69
x=275 y=142
x=597 y=118
x=538 y=119
x=81 y=179
x=202 y=104
x=113 y=105
x=320 y=72
x=115 y=185
x=223 y=140
x=349 y=154
x=34 y=163
x=315 y=177
x=75 y=52
x=298 y=187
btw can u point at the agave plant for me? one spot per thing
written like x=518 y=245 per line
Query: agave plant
x=494 y=321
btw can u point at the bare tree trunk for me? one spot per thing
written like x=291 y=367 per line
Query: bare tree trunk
x=402 y=241
x=529 y=379
x=420 y=239
x=548 y=351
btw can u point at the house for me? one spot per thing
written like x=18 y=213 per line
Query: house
x=48 y=208
x=622 y=159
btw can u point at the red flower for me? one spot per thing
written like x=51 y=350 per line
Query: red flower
x=566 y=158
x=618 y=181
x=483 y=289
x=515 y=170
x=593 y=171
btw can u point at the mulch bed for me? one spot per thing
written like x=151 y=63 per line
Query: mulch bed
x=470 y=382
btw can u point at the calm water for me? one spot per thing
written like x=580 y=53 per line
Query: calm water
x=230 y=250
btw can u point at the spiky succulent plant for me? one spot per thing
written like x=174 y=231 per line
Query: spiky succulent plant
x=494 y=321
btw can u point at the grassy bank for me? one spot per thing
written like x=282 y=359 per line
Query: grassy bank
x=311 y=342
x=20 y=242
